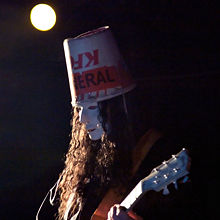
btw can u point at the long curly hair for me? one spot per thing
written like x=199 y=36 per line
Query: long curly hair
x=100 y=160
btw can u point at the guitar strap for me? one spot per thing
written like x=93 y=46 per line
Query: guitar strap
x=115 y=195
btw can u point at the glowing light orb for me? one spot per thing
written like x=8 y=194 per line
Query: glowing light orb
x=43 y=17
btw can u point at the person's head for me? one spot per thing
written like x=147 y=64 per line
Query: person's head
x=101 y=131
x=97 y=72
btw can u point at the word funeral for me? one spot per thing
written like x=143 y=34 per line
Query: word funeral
x=100 y=78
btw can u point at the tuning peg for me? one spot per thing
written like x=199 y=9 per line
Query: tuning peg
x=175 y=185
x=165 y=191
x=164 y=162
x=174 y=156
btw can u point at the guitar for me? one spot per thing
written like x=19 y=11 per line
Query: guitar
x=160 y=177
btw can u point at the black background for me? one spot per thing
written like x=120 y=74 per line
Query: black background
x=171 y=48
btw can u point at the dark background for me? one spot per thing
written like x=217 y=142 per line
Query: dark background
x=171 y=48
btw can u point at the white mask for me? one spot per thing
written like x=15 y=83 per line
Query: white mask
x=88 y=115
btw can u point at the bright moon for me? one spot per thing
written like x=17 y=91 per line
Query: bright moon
x=43 y=17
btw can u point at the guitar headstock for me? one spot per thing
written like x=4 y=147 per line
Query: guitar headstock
x=168 y=172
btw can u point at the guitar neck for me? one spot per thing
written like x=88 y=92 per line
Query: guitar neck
x=133 y=197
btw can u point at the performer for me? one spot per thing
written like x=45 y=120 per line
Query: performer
x=102 y=153
x=101 y=139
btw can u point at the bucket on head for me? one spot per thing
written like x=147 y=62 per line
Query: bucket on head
x=95 y=67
